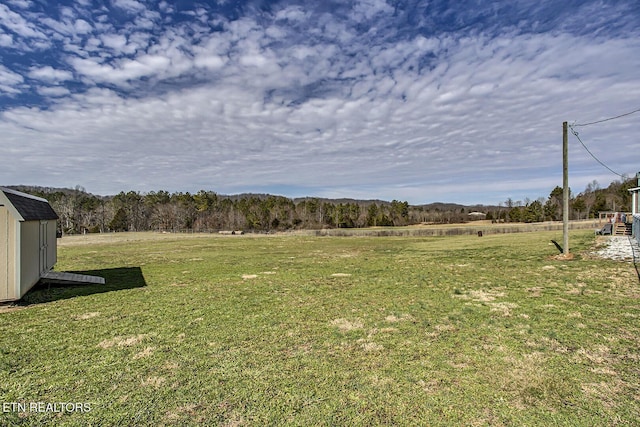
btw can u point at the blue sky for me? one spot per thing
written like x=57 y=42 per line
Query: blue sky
x=424 y=101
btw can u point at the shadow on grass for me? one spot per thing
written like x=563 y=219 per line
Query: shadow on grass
x=116 y=279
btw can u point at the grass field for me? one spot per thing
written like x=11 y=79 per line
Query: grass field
x=305 y=330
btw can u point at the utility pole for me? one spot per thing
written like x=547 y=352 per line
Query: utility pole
x=565 y=190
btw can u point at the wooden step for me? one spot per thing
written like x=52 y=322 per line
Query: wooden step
x=622 y=229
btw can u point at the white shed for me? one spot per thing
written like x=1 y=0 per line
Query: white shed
x=28 y=247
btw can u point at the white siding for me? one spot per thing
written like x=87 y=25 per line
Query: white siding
x=4 y=254
x=8 y=256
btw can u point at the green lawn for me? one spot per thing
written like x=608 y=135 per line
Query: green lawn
x=300 y=330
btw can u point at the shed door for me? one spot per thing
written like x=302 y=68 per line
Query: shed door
x=43 y=247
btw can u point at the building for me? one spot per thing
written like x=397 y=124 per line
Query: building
x=28 y=247
x=635 y=196
x=476 y=216
x=635 y=209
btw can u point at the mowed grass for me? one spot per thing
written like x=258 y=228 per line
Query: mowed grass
x=299 y=330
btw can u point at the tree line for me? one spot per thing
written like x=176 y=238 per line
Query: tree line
x=207 y=211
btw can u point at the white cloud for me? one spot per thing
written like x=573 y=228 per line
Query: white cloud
x=117 y=42
x=367 y=9
x=82 y=27
x=16 y=23
x=293 y=14
x=9 y=81
x=53 y=91
x=23 y=4
x=6 y=40
x=131 y=6
x=50 y=74
x=119 y=73
x=213 y=62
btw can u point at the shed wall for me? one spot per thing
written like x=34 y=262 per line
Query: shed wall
x=4 y=255
x=8 y=267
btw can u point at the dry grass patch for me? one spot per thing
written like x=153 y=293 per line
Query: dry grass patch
x=503 y=307
x=190 y=411
x=441 y=329
x=144 y=353
x=122 y=341
x=481 y=295
x=392 y=318
x=527 y=377
x=155 y=382
x=535 y=291
x=599 y=355
x=345 y=325
x=87 y=316
x=371 y=346
x=604 y=391
x=432 y=386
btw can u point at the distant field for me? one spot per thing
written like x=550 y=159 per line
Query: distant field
x=457 y=229
x=314 y=330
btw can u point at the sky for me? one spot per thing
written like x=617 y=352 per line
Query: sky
x=417 y=100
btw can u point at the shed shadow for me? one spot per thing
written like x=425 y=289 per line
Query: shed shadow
x=116 y=279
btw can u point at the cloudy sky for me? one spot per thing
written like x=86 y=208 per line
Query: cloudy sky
x=417 y=100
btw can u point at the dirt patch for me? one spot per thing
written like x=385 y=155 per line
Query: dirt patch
x=8 y=308
x=562 y=257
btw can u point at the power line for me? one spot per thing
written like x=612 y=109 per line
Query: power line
x=605 y=120
x=573 y=131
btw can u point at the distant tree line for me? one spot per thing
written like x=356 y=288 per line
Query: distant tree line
x=585 y=205
x=207 y=211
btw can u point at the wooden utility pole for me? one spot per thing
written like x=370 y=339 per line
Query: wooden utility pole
x=565 y=190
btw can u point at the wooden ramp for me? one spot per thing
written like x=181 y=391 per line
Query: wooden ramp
x=63 y=278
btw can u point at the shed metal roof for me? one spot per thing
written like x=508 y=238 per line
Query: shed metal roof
x=30 y=208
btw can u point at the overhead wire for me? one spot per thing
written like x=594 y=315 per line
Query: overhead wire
x=575 y=133
x=607 y=119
